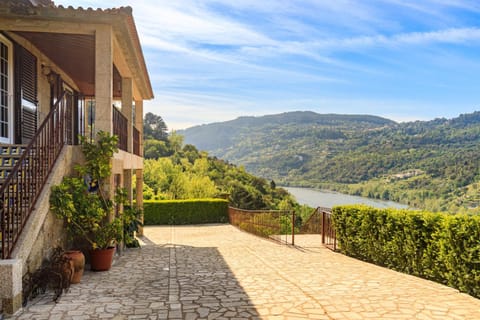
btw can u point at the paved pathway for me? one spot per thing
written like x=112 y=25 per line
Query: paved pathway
x=218 y=272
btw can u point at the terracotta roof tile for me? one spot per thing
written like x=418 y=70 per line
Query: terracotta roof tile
x=127 y=10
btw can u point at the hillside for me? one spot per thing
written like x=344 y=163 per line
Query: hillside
x=427 y=164
x=222 y=138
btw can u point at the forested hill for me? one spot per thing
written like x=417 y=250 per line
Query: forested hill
x=219 y=138
x=428 y=164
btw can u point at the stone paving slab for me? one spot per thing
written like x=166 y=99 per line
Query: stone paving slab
x=219 y=272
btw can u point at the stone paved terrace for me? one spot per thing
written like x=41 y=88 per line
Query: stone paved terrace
x=219 y=272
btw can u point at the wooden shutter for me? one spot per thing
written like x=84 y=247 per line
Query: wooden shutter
x=29 y=76
x=26 y=91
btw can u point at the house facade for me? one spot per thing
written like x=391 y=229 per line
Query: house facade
x=64 y=72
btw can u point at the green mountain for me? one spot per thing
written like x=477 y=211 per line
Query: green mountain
x=427 y=164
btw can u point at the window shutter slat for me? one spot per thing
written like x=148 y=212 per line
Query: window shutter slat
x=29 y=76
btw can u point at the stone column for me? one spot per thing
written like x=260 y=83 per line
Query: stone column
x=139 y=198
x=139 y=121
x=11 y=288
x=103 y=89
x=103 y=79
x=127 y=184
x=127 y=103
x=139 y=172
x=127 y=111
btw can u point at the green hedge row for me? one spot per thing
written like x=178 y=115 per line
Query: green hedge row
x=440 y=247
x=196 y=211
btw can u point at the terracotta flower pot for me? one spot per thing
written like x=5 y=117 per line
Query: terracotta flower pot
x=78 y=260
x=69 y=270
x=101 y=259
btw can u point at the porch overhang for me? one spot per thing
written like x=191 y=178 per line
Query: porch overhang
x=67 y=37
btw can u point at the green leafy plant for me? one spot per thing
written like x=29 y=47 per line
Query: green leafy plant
x=82 y=203
x=436 y=246
x=131 y=224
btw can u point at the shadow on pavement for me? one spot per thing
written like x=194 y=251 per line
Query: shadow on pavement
x=201 y=284
x=156 y=281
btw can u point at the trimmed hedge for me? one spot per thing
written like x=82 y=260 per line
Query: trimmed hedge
x=440 y=247
x=195 y=211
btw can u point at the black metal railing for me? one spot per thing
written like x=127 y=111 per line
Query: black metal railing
x=272 y=224
x=120 y=129
x=136 y=142
x=320 y=222
x=21 y=188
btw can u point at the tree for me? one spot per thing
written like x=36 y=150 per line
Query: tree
x=154 y=149
x=273 y=185
x=154 y=127
x=191 y=153
x=176 y=142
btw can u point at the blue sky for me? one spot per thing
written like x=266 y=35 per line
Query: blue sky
x=215 y=60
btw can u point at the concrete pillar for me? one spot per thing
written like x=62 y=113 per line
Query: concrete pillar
x=139 y=172
x=127 y=179
x=127 y=106
x=104 y=89
x=11 y=285
x=127 y=184
x=103 y=79
x=139 y=121
x=139 y=197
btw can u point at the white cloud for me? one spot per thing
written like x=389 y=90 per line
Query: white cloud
x=214 y=60
x=447 y=36
x=194 y=25
x=454 y=35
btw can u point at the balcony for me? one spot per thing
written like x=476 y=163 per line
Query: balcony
x=120 y=129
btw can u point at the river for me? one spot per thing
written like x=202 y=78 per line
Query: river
x=321 y=198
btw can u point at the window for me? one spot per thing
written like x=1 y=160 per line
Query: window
x=6 y=92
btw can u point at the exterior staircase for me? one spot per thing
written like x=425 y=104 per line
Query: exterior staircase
x=24 y=170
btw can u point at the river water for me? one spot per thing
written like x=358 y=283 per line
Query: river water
x=321 y=198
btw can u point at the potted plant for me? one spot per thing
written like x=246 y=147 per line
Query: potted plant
x=85 y=207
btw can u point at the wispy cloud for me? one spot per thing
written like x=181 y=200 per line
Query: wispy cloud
x=447 y=36
x=213 y=60
x=190 y=24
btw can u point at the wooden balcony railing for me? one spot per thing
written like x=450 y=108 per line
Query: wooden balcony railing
x=136 y=142
x=120 y=129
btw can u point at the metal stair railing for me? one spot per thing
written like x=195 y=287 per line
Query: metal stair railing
x=21 y=188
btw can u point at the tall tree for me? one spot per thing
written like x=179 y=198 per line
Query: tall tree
x=154 y=127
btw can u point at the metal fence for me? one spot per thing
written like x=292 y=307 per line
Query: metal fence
x=282 y=226
x=321 y=222
x=276 y=225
